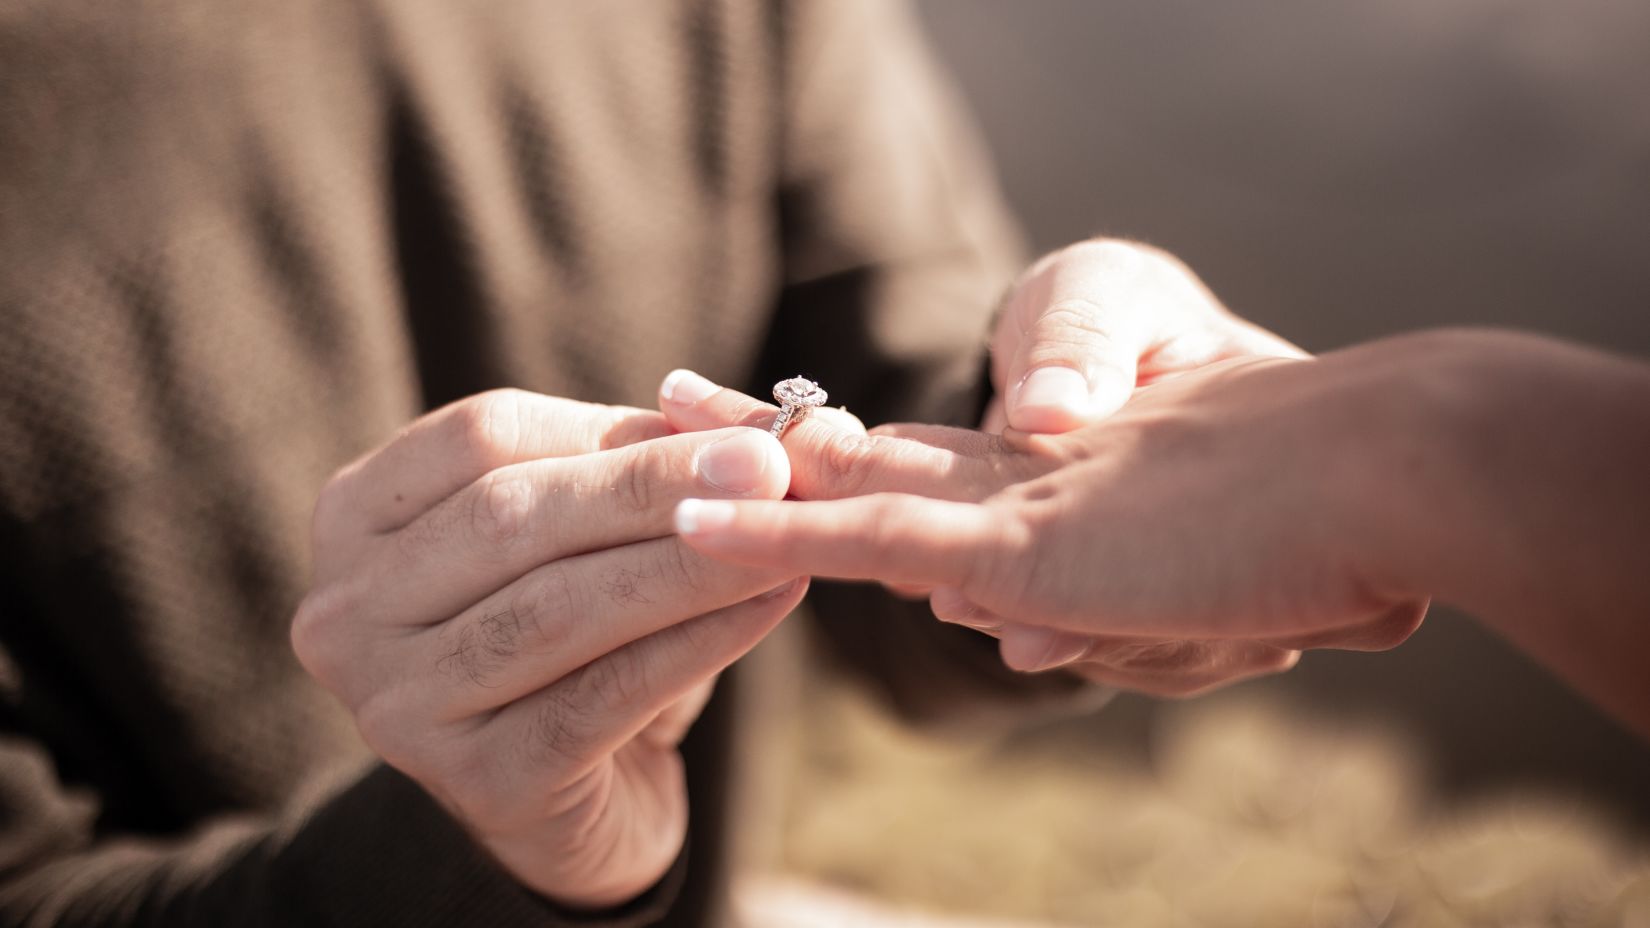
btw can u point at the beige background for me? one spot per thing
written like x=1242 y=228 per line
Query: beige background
x=1339 y=171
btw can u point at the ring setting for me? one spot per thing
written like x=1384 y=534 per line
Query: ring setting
x=795 y=397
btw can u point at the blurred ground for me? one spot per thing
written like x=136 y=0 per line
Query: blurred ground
x=1241 y=812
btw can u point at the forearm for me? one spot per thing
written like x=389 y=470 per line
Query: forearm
x=1522 y=494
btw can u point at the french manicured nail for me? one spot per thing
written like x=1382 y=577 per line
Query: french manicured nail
x=1054 y=388
x=1034 y=649
x=737 y=463
x=685 y=387
x=697 y=516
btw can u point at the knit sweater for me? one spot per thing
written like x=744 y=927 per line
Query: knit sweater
x=242 y=243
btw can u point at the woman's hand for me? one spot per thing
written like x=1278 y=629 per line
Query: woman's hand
x=1204 y=533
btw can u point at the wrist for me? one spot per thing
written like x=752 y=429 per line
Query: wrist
x=575 y=879
x=1429 y=495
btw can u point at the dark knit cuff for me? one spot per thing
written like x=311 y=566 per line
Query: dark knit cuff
x=383 y=852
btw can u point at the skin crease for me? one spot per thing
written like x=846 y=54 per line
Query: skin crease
x=1038 y=487
x=538 y=682
x=1292 y=503
x=500 y=603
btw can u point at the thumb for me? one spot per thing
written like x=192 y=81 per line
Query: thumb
x=1071 y=336
x=1068 y=371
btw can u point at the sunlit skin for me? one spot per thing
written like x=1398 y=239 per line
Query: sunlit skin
x=500 y=600
x=1077 y=333
x=1265 y=503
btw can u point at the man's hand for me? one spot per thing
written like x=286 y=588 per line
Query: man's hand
x=1088 y=323
x=1170 y=548
x=501 y=603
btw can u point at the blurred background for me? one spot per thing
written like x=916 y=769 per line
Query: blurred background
x=1336 y=172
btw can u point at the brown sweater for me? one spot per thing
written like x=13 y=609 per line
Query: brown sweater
x=240 y=243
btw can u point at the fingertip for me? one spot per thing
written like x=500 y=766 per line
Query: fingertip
x=1109 y=389
x=1059 y=399
x=793 y=588
x=683 y=387
x=949 y=605
x=1036 y=419
x=1030 y=649
x=1053 y=398
x=746 y=462
x=698 y=518
x=778 y=463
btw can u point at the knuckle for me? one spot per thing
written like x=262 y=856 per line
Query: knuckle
x=618 y=679
x=850 y=460
x=489 y=425
x=545 y=602
x=681 y=567
x=501 y=509
x=889 y=513
x=626 y=586
x=560 y=729
x=314 y=635
x=634 y=484
x=383 y=723
x=525 y=619
x=1008 y=564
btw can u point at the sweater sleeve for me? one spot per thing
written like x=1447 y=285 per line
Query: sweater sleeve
x=897 y=248
x=57 y=868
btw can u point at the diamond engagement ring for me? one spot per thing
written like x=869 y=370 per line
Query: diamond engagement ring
x=795 y=397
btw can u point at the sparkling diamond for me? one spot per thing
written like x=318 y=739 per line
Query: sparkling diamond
x=798 y=391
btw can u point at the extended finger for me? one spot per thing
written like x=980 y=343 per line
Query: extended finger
x=831 y=462
x=448 y=449
x=1159 y=667
x=518 y=517
x=894 y=538
x=565 y=729
x=1381 y=633
x=1181 y=683
x=559 y=617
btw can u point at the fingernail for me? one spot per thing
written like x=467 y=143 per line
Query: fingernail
x=737 y=463
x=951 y=607
x=1056 y=388
x=697 y=516
x=685 y=387
x=985 y=624
x=781 y=589
x=1031 y=650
